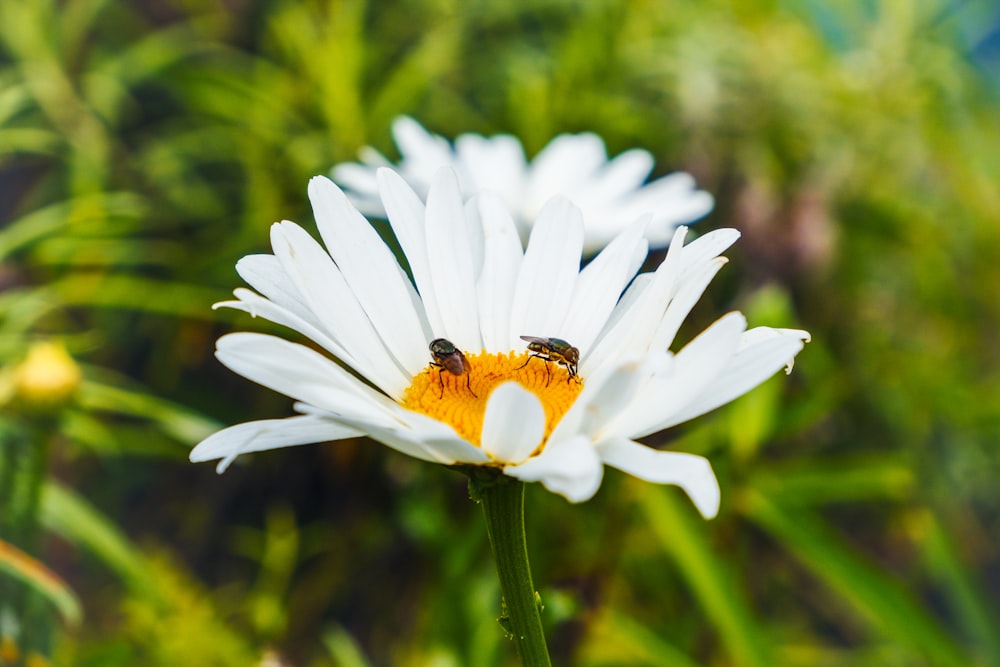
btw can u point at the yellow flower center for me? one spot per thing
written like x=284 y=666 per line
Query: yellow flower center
x=460 y=400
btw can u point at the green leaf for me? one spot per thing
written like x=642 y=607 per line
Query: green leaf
x=70 y=516
x=960 y=586
x=819 y=481
x=136 y=293
x=889 y=609
x=615 y=638
x=100 y=393
x=712 y=581
x=342 y=648
x=70 y=214
x=28 y=140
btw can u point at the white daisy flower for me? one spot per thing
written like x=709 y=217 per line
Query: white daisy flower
x=546 y=416
x=611 y=193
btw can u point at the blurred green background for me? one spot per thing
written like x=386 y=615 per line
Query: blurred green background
x=146 y=146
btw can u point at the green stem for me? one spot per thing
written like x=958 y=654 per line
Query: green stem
x=503 y=504
x=24 y=458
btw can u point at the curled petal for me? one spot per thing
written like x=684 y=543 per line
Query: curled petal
x=258 y=436
x=749 y=367
x=760 y=334
x=690 y=472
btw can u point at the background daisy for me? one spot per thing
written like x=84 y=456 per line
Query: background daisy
x=611 y=193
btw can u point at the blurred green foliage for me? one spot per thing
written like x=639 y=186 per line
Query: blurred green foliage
x=144 y=147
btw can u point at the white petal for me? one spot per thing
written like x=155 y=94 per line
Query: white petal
x=692 y=207
x=407 y=217
x=494 y=164
x=673 y=200
x=570 y=468
x=514 y=423
x=688 y=471
x=683 y=301
x=549 y=272
x=608 y=392
x=566 y=161
x=748 y=368
x=424 y=438
x=600 y=285
x=589 y=361
x=301 y=373
x=650 y=322
x=449 y=254
x=619 y=177
x=666 y=189
x=372 y=158
x=372 y=273
x=760 y=334
x=258 y=436
x=696 y=265
x=258 y=306
x=635 y=327
x=409 y=433
x=501 y=263
x=361 y=183
x=705 y=248
x=426 y=152
x=264 y=274
x=474 y=227
x=331 y=299
x=694 y=368
x=360 y=179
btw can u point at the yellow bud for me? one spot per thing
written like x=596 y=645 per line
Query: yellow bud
x=9 y=652
x=47 y=378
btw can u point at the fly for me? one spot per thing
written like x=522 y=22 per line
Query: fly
x=553 y=349
x=451 y=359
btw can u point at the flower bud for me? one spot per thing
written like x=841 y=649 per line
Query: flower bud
x=47 y=378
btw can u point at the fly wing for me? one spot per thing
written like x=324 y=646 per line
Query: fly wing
x=544 y=342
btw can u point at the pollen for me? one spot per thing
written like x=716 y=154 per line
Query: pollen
x=460 y=400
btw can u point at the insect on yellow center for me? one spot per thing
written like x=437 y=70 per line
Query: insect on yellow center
x=446 y=397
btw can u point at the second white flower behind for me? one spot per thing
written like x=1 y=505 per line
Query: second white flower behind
x=611 y=193
x=473 y=285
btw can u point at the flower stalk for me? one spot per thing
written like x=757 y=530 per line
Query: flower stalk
x=502 y=499
x=24 y=457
